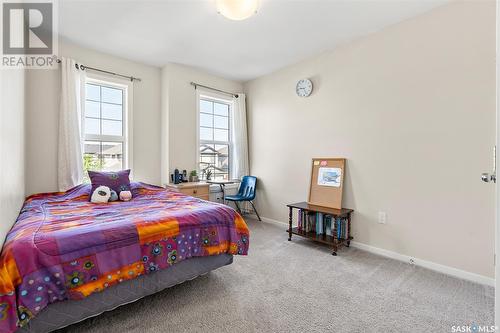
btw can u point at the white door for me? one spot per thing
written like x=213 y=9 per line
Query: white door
x=497 y=230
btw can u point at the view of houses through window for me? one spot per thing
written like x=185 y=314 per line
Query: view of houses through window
x=104 y=127
x=214 y=139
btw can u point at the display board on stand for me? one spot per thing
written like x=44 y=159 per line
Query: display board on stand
x=327 y=182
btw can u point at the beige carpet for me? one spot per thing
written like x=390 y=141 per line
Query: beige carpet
x=299 y=286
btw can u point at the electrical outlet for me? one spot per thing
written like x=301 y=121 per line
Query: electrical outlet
x=382 y=217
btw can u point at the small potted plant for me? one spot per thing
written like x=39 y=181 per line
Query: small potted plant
x=208 y=174
x=193 y=176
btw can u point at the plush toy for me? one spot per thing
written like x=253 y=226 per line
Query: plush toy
x=113 y=196
x=101 y=194
x=125 y=195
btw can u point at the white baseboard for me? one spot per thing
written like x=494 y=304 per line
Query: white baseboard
x=455 y=272
x=268 y=220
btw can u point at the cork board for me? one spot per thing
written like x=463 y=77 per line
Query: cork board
x=327 y=182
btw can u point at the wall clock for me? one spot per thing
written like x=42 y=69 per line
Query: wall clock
x=304 y=88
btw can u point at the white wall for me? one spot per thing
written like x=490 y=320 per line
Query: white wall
x=179 y=114
x=12 y=152
x=412 y=108
x=43 y=87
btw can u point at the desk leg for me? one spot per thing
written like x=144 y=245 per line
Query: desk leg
x=290 y=218
x=223 y=193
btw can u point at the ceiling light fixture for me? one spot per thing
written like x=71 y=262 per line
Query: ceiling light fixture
x=237 y=9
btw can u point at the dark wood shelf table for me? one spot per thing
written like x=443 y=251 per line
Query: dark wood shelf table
x=334 y=241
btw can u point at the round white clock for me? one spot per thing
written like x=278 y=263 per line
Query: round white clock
x=304 y=88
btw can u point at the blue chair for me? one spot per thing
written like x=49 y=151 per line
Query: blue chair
x=246 y=192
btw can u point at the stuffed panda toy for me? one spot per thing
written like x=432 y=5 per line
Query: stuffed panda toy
x=101 y=194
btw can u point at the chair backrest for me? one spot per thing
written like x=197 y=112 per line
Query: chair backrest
x=247 y=187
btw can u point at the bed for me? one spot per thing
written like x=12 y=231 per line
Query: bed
x=67 y=259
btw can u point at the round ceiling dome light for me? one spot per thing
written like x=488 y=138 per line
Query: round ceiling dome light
x=237 y=9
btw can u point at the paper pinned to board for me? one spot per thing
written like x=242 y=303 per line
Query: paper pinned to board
x=329 y=176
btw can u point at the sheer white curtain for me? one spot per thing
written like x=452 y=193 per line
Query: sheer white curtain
x=70 y=161
x=240 y=166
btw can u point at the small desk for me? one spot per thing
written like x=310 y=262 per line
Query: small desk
x=333 y=240
x=222 y=184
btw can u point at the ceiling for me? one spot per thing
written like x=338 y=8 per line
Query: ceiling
x=190 y=32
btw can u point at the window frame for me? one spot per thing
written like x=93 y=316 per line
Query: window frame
x=126 y=139
x=219 y=98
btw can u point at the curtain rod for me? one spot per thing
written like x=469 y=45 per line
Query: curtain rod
x=83 y=67
x=196 y=85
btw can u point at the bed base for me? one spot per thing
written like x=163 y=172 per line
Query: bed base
x=62 y=314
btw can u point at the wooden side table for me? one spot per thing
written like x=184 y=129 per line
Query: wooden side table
x=333 y=240
x=194 y=189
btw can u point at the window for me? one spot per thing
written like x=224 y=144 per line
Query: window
x=214 y=137
x=105 y=123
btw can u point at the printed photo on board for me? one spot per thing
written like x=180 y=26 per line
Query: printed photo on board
x=329 y=177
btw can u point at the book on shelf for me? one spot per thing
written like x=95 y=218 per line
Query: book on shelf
x=299 y=220
x=328 y=225
x=339 y=232
x=319 y=224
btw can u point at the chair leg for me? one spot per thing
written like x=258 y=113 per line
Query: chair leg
x=255 y=210
x=238 y=207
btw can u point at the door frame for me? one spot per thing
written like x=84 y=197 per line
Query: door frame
x=497 y=188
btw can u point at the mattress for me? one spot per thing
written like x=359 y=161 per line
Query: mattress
x=63 y=247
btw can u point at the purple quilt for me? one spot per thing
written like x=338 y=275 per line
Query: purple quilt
x=65 y=247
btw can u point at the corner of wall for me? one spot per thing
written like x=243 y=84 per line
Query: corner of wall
x=164 y=132
x=12 y=146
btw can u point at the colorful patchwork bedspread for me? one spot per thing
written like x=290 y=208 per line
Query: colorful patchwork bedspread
x=65 y=247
